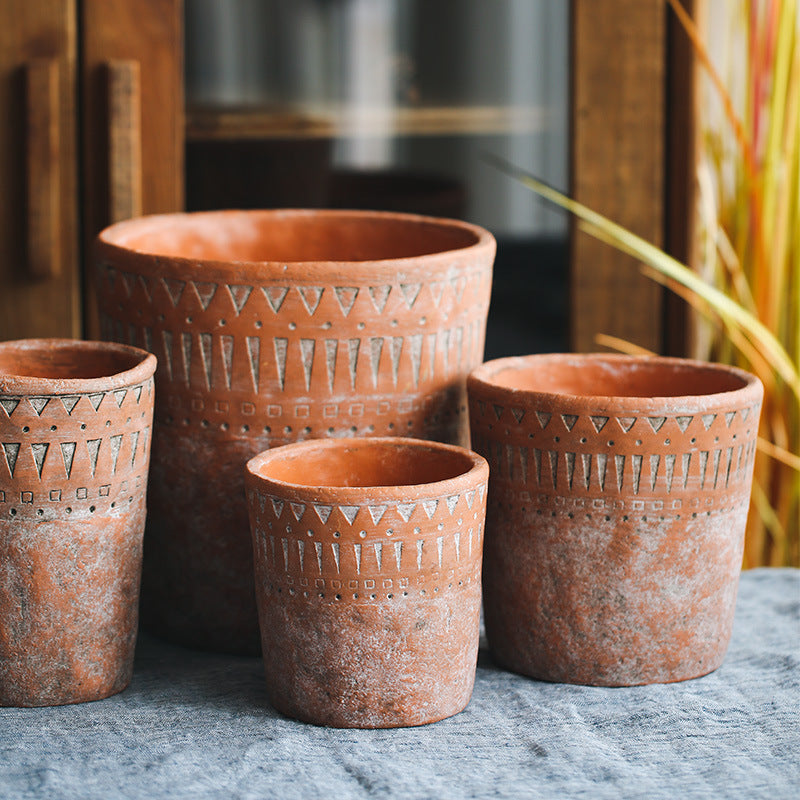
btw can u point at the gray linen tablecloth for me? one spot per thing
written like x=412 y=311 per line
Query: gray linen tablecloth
x=196 y=725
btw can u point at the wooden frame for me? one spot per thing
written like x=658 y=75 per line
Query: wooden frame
x=39 y=258
x=133 y=133
x=619 y=58
x=131 y=58
x=127 y=55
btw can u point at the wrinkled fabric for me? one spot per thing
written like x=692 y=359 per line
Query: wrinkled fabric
x=198 y=725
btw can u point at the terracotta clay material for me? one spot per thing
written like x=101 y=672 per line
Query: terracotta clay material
x=618 y=498
x=368 y=559
x=270 y=327
x=75 y=423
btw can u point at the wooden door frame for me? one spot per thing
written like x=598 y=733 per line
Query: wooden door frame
x=632 y=157
x=133 y=119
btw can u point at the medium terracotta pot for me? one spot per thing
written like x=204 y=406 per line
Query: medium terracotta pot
x=368 y=560
x=617 y=505
x=274 y=326
x=75 y=424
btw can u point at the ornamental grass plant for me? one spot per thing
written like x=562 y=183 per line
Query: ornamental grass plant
x=748 y=232
x=743 y=280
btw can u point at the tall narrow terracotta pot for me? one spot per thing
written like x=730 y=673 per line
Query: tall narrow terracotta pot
x=274 y=326
x=75 y=423
x=617 y=505
x=368 y=561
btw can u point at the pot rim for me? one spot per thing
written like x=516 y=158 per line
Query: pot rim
x=114 y=236
x=16 y=384
x=478 y=471
x=482 y=379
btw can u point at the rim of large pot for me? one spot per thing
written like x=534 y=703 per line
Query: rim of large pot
x=697 y=384
x=465 y=468
x=126 y=366
x=124 y=237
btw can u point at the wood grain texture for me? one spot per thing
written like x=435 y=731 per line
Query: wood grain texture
x=124 y=140
x=682 y=187
x=149 y=32
x=618 y=132
x=36 y=180
x=43 y=168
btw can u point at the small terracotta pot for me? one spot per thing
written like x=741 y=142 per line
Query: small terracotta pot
x=617 y=505
x=368 y=559
x=274 y=326
x=75 y=423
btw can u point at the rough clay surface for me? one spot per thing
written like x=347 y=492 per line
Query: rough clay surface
x=199 y=725
x=369 y=598
x=615 y=525
x=273 y=327
x=73 y=476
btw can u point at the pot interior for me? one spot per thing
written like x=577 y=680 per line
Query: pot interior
x=367 y=463
x=290 y=236
x=598 y=377
x=64 y=360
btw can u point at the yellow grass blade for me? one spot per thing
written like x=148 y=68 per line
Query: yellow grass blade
x=768 y=517
x=735 y=316
x=755 y=361
x=702 y=53
x=782 y=143
x=778 y=453
x=622 y=345
x=732 y=264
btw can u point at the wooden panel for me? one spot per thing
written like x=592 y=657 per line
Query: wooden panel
x=43 y=169
x=333 y=120
x=116 y=34
x=124 y=140
x=618 y=129
x=39 y=273
x=681 y=221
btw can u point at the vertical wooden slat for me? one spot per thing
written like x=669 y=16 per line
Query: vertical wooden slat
x=124 y=140
x=43 y=168
x=39 y=266
x=148 y=32
x=618 y=131
x=682 y=186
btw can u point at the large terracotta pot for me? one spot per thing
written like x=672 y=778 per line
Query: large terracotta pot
x=270 y=327
x=618 y=498
x=75 y=424
x=368 y=563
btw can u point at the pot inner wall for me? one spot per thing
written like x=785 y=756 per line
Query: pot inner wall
x=290 y=238
x=366 y=464
x=64 y=361
x=598 y=378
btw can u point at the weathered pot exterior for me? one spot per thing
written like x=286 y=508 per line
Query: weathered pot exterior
x=618 y=498
x=369 y=595
x=271 y=327
x=75 y=431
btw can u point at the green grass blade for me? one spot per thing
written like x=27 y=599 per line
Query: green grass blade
x=616 y=235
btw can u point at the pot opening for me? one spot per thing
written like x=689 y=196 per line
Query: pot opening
x=64 y=360
x=596 y=377
x=366 y=464
x=290 y=236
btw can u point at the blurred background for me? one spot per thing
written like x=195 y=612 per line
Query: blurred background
x=390 y=105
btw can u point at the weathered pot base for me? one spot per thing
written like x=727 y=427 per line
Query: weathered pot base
x=368 y=585
x=75 y=423
x=618 y=498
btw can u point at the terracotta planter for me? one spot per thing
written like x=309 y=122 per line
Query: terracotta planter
x=270 y=327
x=75 y=424
x=368 y=559
x=617 y=506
